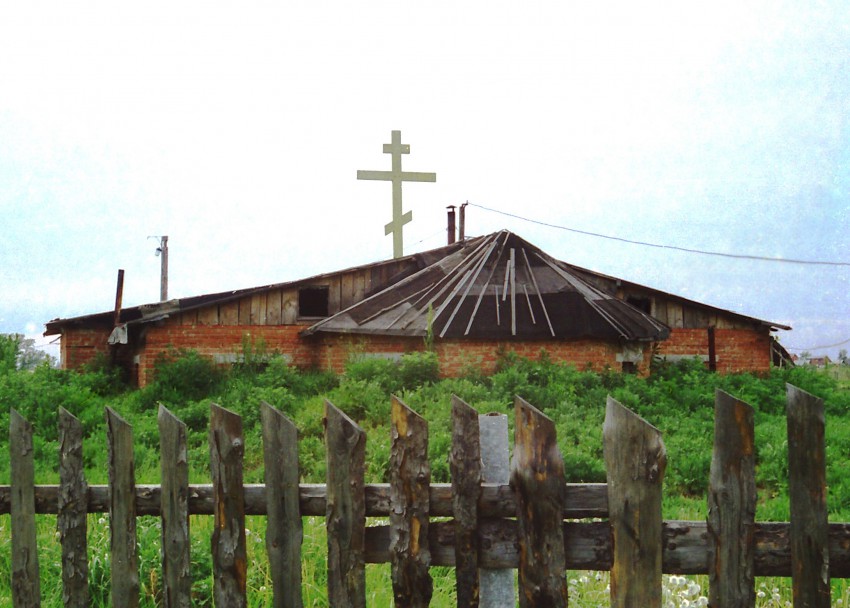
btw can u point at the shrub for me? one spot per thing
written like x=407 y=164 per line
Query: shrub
x=182 y=376
x=419 y=368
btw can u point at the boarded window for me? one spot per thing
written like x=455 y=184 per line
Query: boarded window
x=313 y=301
x=642 y=304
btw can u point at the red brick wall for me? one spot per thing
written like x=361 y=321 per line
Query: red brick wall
x=80 y=346
x=737 y=350
x=210 y=340
x=458 y=357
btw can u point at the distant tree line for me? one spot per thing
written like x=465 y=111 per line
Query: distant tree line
x=20 y=353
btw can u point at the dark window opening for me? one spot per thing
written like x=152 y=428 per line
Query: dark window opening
x=642 y=304
x=629 y=367
x=313 y=302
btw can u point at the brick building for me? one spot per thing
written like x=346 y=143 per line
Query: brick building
x=472 y=300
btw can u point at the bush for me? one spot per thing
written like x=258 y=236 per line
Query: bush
x=182 y=376
x=419 y=368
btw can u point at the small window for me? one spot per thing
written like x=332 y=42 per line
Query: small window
x=642 y=304
x=629 y=367
x=313 y=302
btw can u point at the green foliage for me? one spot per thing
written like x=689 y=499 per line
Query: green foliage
x=9 y=346
x=419 y=368
x=678 y=399
x=183 y=375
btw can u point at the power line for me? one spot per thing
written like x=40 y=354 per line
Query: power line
x=656 y=245
x=847 y=341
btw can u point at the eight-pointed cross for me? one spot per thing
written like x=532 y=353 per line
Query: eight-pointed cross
x=396 y=176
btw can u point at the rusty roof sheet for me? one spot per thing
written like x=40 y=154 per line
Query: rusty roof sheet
x=497 y=286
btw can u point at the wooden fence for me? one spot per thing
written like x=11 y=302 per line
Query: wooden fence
x=537 y=524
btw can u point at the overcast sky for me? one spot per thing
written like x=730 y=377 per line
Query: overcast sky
x=237 y=130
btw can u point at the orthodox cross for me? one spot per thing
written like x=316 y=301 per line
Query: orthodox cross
x=396 y=176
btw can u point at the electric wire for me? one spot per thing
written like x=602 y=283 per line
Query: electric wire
x=659 y=246
x=847 y=341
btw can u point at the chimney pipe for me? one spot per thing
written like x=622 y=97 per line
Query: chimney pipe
x=462 y=228
x=451 y=228
x=119 y=296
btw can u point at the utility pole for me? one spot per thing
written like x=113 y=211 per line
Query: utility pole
x=162 y=251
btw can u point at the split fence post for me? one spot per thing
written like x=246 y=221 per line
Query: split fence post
x=174 y=511
x=230 y=563
x=732 y=505
x=410 y=481
x=807 y=493
x=539 y=483
x=636 y=459
x=122 y=512
x=284 y=531
x=71 y=508
x=25 y=584
x=346 y=509
x=465 y=466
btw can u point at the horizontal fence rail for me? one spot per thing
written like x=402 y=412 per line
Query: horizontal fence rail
x=537 y=523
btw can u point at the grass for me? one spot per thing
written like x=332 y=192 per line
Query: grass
x=677 y=400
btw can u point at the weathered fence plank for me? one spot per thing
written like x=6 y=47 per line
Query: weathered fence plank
x=497 y=500
x=174 y=548
x=636 y=459
x=410 y=476
x=807 y=494
x=230 y=563
x=71 y=516
x=732 y=505
x=25 y=583
x=346 y=509
x=122 y=511
x=465 y=466
x=538 y=480
x=284 y=531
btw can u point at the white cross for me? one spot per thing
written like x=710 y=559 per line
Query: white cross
x=396 y=176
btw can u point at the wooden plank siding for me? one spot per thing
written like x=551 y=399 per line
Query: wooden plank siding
x=229 y=313
x=273 y=307
x=208 y=315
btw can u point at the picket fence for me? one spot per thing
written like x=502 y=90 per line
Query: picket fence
x=537 y=524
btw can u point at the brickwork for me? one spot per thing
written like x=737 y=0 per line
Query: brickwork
x=737 y=350
x=81 y=346
x=213 y=340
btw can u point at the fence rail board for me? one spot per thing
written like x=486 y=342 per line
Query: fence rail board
x=71 y=512
x=346 y=509
x=538 y=478
x=230 y=560
x=732 y=505
x=410 y=476
x=496 y=500
x=636 y=461
x=807 y=494
x=465 y=466
x=284 y=532
x=520 y=525
x=122 y=511
x=176 y=559
x=25 y=583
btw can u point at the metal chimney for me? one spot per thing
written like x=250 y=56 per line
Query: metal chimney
x=451 y=228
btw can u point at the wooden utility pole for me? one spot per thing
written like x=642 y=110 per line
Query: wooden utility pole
x=163 y=274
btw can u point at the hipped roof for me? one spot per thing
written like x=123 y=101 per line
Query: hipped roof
x=497 y=286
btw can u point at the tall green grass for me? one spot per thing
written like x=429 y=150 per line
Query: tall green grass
x=676 y=399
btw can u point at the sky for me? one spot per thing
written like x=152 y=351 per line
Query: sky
x=237 y=129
